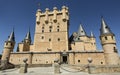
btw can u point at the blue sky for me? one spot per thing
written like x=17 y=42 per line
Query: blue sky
x=20 y=14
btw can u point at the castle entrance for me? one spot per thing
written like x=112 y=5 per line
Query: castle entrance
x=64 y=59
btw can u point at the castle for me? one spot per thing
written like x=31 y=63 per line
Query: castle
x=51 y=42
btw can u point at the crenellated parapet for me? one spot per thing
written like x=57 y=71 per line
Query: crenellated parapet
x=55 y=12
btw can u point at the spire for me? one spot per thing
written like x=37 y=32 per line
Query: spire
x=81 y=31
x=104 y=28
x=12 y=36
x=28 y=36
x=91 y=34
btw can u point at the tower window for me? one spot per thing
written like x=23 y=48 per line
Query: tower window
x=114 y=48
x=6 y=43
x=112 y=37
x=50 y=30
x=106 y=27
x=106 y=38
x=79 y=61
x=50 y=27
x=11 y=44
x=58 y=39
x=42 y=31
x=58 y=30
x=42 y=27
x=49 y=39
x=42 y=37
x=101 y=62
x=57 y=26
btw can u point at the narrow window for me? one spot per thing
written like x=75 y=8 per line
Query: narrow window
x=50 y=30
x=115 y=50
x=112 y=37
x=42 y=31
x=58 y=39
x=42 y=27
x=79 y=61
x=106 y=38
x=6 y=43
x=49 y=39
x=42 y=37
x=101 y=62
x=58 y=30
x=11 y=44
x=57 y=26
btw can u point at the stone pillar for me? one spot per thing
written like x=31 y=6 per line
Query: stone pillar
x=56 y=67
x=23 y=67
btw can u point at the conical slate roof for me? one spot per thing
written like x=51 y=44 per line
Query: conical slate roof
x=104 y=28
x=81 y=31
x=28 y=35
x=12 y=36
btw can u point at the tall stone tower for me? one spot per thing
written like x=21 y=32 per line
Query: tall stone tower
x=51 y=33
x=8 y=47
x=109 y=44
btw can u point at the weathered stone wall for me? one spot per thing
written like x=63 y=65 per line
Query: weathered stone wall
x=34 y=58
x=82 y=58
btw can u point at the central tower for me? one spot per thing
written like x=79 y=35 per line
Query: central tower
x=51 y=33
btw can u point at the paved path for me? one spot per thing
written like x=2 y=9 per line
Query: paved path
x=48 y=71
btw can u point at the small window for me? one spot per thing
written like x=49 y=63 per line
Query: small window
x=58 y=39
x=112 y=37
x=50 y=27
x=78 y=38
x=101 y=62
x=50 y=30
x=49 y=39
x=58 y=30
x=79 y=61
x=115 y=50
x=106 y=38
x=11 y=44
x=6 y=43
x=106 y=27
x=42 y=37
x=42 y=31
x=42 y=27
x=57 y=26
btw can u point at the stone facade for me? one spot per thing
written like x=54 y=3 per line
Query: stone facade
x=51 y=41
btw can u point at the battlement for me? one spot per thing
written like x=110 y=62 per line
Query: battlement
x=64 y=12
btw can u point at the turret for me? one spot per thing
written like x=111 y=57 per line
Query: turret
x=38 y=16
x=25 y=44
x=81 y=31
x=109 y=44
x=8 y=46
x=28 y=38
